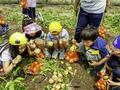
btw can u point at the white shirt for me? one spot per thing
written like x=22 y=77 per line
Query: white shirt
x=6 y=56
x=93 y=6
x=31 y=3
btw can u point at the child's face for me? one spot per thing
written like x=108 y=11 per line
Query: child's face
x=55 y=33
x=88 y=43
x=32 y=34
x=116 y=51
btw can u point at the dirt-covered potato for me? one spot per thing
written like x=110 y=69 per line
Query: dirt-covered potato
x=31 y=45
x=51 y=81
x=39 y=43
x=49 y=44
x=37 y=51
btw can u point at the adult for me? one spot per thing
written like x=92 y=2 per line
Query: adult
x=91 y=13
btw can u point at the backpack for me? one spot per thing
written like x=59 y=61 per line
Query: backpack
x=93 y=54
x=3 y=29
x=3 y=46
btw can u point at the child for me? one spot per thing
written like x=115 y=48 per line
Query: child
x=114 y=64
x=11 y=56
x=28 y=8
x=34 y=32
x=58 y=38
x=94 y=48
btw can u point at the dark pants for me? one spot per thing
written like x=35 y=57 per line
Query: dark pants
x=30 y=12
x=84 y=19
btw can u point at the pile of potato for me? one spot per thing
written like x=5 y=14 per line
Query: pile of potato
x=58 y=80
x=102 y=31
x=101 y=84
x=34 y=50
x=34 y=68
x=71 y=56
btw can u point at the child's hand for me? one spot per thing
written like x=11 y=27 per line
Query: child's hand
x=73 y=41
x=93 y=63
x=109 y=48
x=110 y=82
x=17 y=59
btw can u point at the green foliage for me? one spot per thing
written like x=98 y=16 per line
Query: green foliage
x=13 y=16
x=66 y=17
x=15 y=84
x=112 y=22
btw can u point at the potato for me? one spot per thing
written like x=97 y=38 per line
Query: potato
x=55 y=73
x=55 y=78
x=40 y=43
x=62 y=85
x=60 y=80
x=50 y=44
x=37 y=51
x=60 y=75
x=57 y=87
x=70 y=68
x=51 y=81
x=32 y=46
x=53 y=89
x=62 y=62
x=66 y=72
x=54 y=85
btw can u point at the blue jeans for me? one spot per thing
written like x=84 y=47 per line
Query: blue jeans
x=84 y=19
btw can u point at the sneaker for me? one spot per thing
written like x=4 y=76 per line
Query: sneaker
x=47 y=54
x=62 y=52
x=55 y=54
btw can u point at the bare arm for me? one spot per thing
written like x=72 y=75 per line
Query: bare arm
x=8 y=66
x=112 y=83
x=94 y=63
x=76 y=4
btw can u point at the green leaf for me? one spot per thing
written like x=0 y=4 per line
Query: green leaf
x=11 y=87
x=16 y=71
x=9 y=84
x=19 y=79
